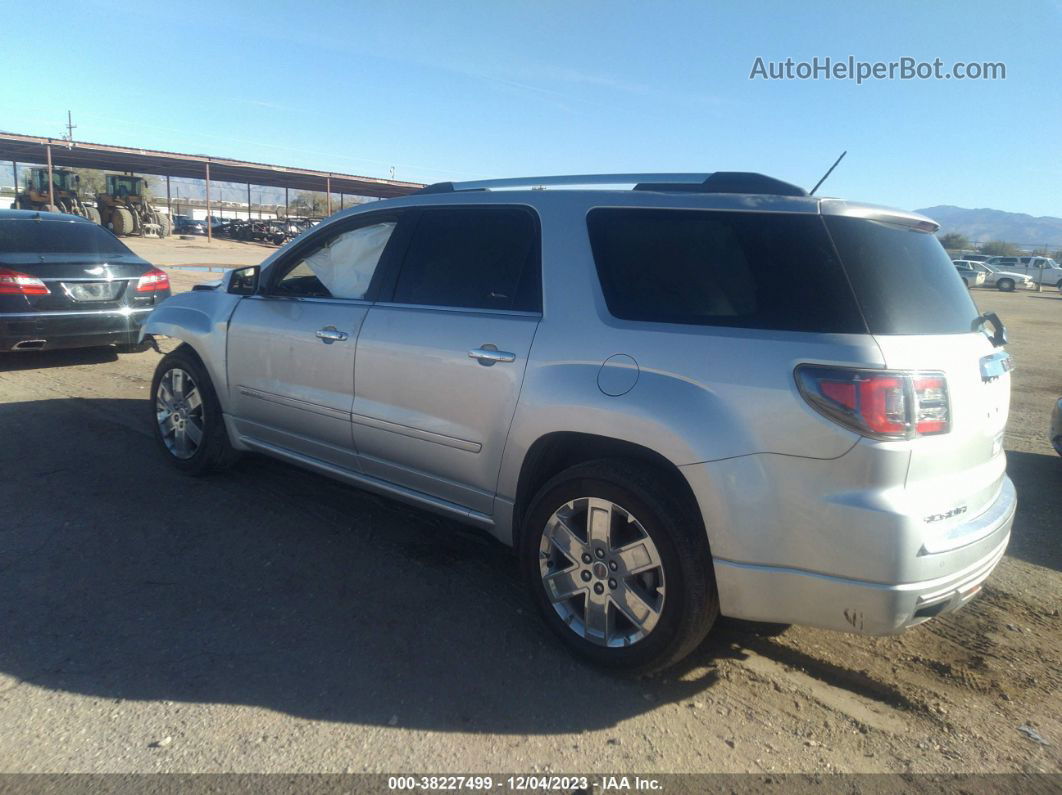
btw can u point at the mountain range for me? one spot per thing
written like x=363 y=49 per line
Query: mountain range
x=982 y=225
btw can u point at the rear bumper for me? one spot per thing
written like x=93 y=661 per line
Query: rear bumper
x=26 y=331
x=792 y=596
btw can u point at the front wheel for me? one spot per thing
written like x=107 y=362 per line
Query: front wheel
x=187 y=417
x=1006 y=285
x=618 y=564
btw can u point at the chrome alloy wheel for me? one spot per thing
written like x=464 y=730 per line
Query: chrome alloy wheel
x=179 y=410
x=602 y=572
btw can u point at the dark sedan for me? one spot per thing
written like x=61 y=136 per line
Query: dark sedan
x=188 y=226
x=66 y=282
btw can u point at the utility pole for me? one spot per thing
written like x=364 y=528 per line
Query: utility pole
x=51 y=186
x=70 y=127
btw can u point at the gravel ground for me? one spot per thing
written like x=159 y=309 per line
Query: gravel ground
x=272 y=620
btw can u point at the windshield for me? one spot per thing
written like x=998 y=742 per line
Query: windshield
x=50 y=237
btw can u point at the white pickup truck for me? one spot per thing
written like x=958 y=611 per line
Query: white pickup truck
x=1042 y=270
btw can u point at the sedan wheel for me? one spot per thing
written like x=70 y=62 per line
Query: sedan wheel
x=602 y=572
x=179 y=412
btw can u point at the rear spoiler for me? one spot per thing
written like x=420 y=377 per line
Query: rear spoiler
x=885 y=215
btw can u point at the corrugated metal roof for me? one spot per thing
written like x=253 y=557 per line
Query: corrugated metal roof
x=82 y=154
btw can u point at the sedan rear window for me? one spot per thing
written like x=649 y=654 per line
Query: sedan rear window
x=902 y=278
x=57 y=237
x=711 y=268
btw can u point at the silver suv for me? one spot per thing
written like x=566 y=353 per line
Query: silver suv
x=708 y=394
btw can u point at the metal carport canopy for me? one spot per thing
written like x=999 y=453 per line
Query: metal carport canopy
x=81 y=154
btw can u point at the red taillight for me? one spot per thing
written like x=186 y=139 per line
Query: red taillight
x=15 y=283
x=883 y=404
x=152 y=281
x=879 y=404
x=931 y=404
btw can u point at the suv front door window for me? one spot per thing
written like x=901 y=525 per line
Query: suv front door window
x=291 y=348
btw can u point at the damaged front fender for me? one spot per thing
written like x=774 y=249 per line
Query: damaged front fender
x=200 y=319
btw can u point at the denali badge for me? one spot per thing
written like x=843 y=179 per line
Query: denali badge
x=940 y=517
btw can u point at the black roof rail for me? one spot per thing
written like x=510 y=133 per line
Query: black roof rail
x=729 y=182
x=719 y=182
x=436 y=187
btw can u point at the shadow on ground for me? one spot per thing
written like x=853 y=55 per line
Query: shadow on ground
x=270 y=586
x=40 y=360
x=1037 y=534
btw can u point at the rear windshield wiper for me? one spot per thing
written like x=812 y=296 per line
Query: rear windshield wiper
x=999 y=338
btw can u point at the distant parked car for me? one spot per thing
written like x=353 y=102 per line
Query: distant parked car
x=1041 y=270
x=189 y=226
x=66 y=282
x=1007 y=281
x=1056 y=427
x=973 y=276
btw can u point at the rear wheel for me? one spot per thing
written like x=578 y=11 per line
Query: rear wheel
x=619 y=566
x=122 y=222
x=187 y=416
x=1006 y=285
x=92 y=214
x=165 y=225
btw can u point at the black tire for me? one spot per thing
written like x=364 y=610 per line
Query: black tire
x=122 y=222
x=214 y=453
x=133 y=347
x=1059 y=285
x=690 y=604
x=1006 y=285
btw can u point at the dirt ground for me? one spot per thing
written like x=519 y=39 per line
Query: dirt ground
x=273 y=620
x=196 y=250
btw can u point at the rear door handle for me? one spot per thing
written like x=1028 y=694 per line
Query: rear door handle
x=330 y=334
x=488 y=355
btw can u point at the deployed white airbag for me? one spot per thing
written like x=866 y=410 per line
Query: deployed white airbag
x=346 y=264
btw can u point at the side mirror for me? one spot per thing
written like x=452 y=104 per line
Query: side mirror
x=243 y=281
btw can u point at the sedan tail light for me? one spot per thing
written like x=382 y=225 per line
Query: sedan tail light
x=881 y=404
x=153 y=281
x=15 y=283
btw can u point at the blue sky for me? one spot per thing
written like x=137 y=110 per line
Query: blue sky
x=464 y=90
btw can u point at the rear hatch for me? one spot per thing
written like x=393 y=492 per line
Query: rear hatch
x=922 y=317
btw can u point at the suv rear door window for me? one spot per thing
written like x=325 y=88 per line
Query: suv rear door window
x=747 y=270
x=475 y=258
x=902 y=278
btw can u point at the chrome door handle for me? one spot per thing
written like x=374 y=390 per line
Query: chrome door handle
x=330 y=334
x=490 y=355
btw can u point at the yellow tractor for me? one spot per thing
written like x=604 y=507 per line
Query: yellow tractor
x=65 y=185
x=126 y=210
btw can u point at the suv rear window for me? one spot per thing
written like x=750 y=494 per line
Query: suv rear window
x=745 y=270
x=57 y=237
x=902 y=278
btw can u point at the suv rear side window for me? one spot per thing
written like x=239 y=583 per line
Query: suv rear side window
x=57 y=237
x=746 y=270
x=476 y=258
x=902 y=278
